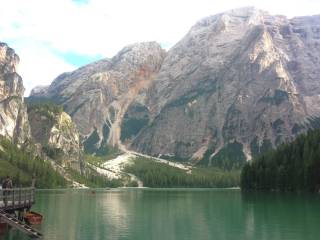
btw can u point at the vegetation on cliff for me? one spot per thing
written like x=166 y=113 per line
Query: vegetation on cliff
x=50 y=110
x=230 y=157
x=291 y=167
x=21 y=164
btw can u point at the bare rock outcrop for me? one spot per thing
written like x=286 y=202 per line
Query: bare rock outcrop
x=237 y=84
x=97 y=95
x=13 y=115
x=54 y=131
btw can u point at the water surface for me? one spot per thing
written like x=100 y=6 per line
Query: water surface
x=175 y=214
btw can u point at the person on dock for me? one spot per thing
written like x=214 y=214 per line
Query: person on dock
x=6 y=184
x=33 y=182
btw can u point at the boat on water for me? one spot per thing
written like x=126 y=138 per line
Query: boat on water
x=33 y=218
x=3 y=227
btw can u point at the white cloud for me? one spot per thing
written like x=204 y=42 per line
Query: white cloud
x=38 y=65
x=38 y=29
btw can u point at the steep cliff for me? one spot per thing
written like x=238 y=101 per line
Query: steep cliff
x=237 y=84
x=58 y=136
x=97 y=95
x=13 y=114
x=17 y=157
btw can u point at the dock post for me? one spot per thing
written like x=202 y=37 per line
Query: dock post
x=20 y=196
x=13 y=198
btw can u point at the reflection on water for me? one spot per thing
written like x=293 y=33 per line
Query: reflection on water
x=282 y=216
x=176 y=214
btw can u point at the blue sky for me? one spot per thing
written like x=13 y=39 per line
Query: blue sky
x=78 y=59
x=52 y=37
x=81 y=1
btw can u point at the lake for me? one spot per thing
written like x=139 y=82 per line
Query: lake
x=175 y=214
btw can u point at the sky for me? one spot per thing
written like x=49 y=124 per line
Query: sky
x=56 y=36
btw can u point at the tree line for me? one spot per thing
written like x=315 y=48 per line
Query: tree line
x=292 y=166
x=155 y=174
x=21 y=164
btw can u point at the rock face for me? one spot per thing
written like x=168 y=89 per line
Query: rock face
x=54 y=130
x=13 y=115
x=238 y=83
x=243 y=77
x=58 y=136
x=241 y=80
x=39 y=90
x=97 y=95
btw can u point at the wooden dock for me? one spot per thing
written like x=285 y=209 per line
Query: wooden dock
x=14 y=203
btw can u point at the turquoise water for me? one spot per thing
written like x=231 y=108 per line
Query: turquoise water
x=176 y=214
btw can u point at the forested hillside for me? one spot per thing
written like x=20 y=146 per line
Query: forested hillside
x=21 y=164
x=156 y=174
x=291 y=167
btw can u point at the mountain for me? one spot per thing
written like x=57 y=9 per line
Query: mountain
x=98 y=95
x=29 y=135
x=13 y=113
x=43 y=124
x=54 y=132
x=238 y=84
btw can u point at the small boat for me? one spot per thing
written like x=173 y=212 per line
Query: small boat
x=3 y=227
x=33 y=218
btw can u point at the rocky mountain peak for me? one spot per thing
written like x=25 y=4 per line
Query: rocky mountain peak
x=110 y=85
x=136 y=58
x=231 y=19
x=231 y=71
x=11 y=82
x=39 y=91
x=8 y=58
x=237 y=84
x=139 y=52
x=13 y=117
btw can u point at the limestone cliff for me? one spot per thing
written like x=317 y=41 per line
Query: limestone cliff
x=58 y=136
x=13 y=115
x=50 y=126
x=237 y=84
x=97 y=95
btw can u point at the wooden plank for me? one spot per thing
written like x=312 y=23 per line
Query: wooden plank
x=14 y=222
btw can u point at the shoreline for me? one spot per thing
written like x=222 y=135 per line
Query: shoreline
x=135 y=188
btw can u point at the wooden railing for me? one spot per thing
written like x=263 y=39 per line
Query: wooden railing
x=15 y=198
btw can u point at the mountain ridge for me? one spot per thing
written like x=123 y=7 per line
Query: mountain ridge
x=243 y=79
